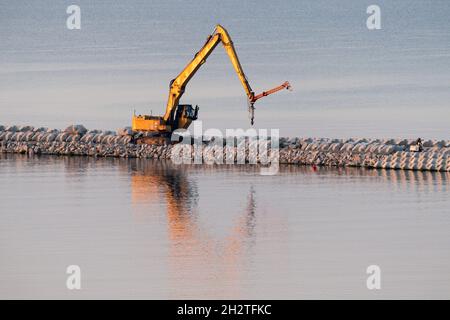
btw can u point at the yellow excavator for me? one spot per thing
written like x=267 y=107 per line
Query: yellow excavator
x=181 y=115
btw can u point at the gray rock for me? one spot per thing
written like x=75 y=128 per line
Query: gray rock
x=12 y=128
x=17 y=136
x=76 y=129
x=124 y=131
x=29 y=135
x=440 y=144
x=428 y=144
x=73 y=138
x=62 y=137
x=8 y=135
x=26 y=128
x=42 y=136
x=125 y=139
x=51 y=137
x=2 y=135
x=391 y=142
x=98 y=138
x=88 y=137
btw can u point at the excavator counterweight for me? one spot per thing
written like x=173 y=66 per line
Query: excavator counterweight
x=181 y=115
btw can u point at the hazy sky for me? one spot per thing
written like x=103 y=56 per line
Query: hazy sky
x=348 y=80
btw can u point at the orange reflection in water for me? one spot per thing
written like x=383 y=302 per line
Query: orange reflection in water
x=196 y=257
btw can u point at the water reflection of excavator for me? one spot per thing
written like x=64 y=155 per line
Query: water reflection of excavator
x=155 y=179
x=195 y=255
x=181 y=115
x=151 y=180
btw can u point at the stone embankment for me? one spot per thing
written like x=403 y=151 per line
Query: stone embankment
x=370 y=153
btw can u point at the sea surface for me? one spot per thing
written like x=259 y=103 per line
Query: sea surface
x=146 y=229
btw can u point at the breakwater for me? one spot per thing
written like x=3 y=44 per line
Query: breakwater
x=370 y=153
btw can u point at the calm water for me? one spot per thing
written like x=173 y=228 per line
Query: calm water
x=142 y=229
x=150 y=230
x=348 y=81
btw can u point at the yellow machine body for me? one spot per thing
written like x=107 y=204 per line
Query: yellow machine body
x=149 y=123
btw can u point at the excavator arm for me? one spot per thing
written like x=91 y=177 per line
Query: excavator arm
x=178 y=85
x=179 y=115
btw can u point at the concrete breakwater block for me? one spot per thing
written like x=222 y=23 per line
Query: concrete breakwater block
x=76 y=129
x=358 y=152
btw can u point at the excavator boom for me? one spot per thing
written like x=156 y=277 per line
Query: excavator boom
x=178 y=84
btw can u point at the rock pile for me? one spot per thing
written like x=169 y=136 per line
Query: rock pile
x=371 y=153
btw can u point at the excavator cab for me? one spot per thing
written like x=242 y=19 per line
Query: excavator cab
x=184 y=115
